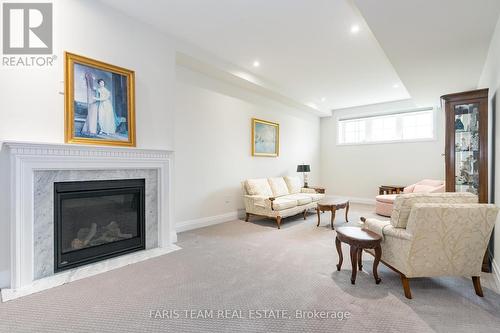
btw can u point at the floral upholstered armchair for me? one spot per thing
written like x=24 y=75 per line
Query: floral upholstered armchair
x=436 y=234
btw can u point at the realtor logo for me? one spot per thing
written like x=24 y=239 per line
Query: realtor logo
x=27 y=28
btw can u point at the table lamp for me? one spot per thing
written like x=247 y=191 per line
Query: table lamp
x=304 y=168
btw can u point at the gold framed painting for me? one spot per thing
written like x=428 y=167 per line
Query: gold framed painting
x=99 y=102
x=265 y=138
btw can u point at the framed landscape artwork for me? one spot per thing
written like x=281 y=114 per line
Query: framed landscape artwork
x=99 y=102
x=265 y=138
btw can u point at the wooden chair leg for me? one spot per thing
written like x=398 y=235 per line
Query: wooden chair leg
x=339 y=251
x=278 y=220
x=354 y=263
x=305 y=213
x=406 y=286
x=477 y=285
x=247 y=217
x=360 y=259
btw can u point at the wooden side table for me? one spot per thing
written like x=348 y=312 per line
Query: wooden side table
x=390 y=189
x=318 y=189
x=358 y=239
x=332 y=206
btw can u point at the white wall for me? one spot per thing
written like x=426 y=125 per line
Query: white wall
x=212 y=126
x=32 y=108
x=490 y=78
x=213 y=144
x=357 y=171
x=4 y=225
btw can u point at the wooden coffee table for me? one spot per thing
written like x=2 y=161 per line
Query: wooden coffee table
x=332 y=205
x=358 y=239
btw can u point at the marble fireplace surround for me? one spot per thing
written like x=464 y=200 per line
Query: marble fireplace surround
x=43 y=202
x=34 y=168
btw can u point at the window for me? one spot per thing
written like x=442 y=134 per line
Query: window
x=384 y=128
x=402 y=126
x=355 y=131
x=417 y=125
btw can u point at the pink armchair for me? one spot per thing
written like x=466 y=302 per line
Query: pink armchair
x=383 y=203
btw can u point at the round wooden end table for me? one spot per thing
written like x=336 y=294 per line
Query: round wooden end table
x=358 y=239
x=332 y=205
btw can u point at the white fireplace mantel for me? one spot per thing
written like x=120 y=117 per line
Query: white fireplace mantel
x=26 y=158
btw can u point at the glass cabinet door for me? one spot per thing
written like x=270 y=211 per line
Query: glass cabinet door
x=467 y=147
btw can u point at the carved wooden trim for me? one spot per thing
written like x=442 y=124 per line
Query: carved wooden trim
x=272 y=199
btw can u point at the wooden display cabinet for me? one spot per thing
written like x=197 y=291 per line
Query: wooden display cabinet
x=466 y=145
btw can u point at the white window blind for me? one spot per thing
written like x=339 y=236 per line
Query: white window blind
x=394 y=127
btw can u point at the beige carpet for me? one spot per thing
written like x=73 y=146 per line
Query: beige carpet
x=253 y=266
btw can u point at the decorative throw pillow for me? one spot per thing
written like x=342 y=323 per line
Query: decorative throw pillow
x=258 y=186
x=278 y=186
x=294 y=184
x=430 y=182
x=423 y=188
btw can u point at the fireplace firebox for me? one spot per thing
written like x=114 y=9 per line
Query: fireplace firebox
x=96 y=220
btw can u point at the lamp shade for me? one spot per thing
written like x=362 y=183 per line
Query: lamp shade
x=303 y=168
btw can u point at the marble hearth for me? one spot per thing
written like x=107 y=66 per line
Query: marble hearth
x=33 y=170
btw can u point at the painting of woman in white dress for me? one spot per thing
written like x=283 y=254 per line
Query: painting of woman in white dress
x=99 y=103
x=105 y=115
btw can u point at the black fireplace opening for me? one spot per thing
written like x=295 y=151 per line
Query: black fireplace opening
x=96 y=220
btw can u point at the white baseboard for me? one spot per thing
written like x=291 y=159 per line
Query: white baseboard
x=231 y=216
x=4 y=279
x=366 y=201
x=496 y=273
x=206 y=221
x=173 y=237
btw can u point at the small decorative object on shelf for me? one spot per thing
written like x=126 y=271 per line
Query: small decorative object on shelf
x=464 y=145
x=467 y=145
x=459 y=126
x=304 y=168
x=475 y=142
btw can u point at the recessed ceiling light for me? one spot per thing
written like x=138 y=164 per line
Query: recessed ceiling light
x=395 y=85
x=323 y=99
x=256 y=63
x=355 y=29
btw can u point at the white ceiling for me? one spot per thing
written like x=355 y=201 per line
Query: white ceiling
x=307 y=51
x=305 y=47
x=436 y=46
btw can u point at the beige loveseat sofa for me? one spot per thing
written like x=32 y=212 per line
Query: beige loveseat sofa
x=436 y=234
x=278 y=197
